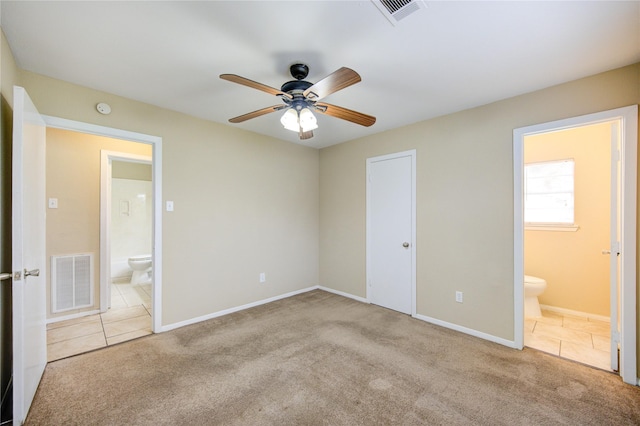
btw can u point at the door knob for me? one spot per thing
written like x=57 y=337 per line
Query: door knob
x=405 y=245
x=33 y=273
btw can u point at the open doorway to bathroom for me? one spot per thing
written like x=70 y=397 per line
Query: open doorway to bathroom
x=76 y=233
x=581 y=173
x=567 y=193
x=126 y=222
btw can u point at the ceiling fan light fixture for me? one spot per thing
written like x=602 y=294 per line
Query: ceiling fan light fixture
x=308 y=121
x=300 y=97
x=290 y=120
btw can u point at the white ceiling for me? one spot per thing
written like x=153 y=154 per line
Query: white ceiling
x=445 y=58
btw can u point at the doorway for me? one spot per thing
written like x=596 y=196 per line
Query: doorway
x=75 y=242
x=622 y=324
x=391 y=224
x=126 y=204
x=568 y=223
x=155 y=144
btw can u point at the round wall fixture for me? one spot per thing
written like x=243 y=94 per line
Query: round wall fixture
x=103 y=108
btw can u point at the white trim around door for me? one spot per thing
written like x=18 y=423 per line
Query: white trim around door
x=156 y=144
x=627 y=117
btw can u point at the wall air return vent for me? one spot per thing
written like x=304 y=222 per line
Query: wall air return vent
x=71 y=282
x=397 y=10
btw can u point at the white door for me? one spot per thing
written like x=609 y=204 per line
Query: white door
x=614 y=249
x=28 y=252
x=390 y=231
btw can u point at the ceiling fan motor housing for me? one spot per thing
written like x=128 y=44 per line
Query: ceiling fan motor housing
x=299 y=71
x=297 y=87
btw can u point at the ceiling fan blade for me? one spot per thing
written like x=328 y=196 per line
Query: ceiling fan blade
x=345 y=114
x=305 y=135
x=257 y=113
x=254 y=85
x=344 y=77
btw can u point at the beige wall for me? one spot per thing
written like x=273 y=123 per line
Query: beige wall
x=572 y=263
x=464 y=199
x=244 y=203
x=9 y=71
x=73 y=177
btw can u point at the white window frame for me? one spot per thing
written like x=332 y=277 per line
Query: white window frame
x=551 y=226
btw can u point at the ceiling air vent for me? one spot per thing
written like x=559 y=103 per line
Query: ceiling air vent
x=397 y=10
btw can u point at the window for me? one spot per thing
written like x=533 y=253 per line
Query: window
x=548 y=193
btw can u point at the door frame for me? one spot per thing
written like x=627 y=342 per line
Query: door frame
x=628 y=119
x=106 y=158
x=156 y=158
x=370 y=161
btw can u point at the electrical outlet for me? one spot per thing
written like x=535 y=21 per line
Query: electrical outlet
x=263 y=277
x=459 y=296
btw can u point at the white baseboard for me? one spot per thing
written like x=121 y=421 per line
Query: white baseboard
x=435 y=321
x=470 y=331
x=232 y=310
x=461 y=329
x=342 y=293
x=575 y=313
x=72 y=316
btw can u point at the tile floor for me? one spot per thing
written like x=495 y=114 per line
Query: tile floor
x=128 y=318
x=579 y=339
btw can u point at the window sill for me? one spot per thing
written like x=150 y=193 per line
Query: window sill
x=552 y=227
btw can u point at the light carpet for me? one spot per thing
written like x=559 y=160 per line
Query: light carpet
x=322 y=359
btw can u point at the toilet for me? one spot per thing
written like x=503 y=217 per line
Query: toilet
x=141 y=266
x=533 y=287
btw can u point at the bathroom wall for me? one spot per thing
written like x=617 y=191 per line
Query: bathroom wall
x=131 y=215
x=73 y=177
x=572 y=263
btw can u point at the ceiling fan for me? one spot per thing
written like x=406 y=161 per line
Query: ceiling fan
x=301 y=97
